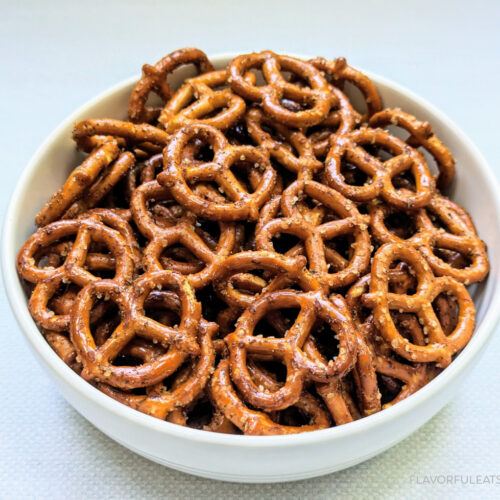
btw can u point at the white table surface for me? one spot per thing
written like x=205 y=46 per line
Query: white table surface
x=55 y=55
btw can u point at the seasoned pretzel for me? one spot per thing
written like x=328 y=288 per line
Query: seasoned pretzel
x=77 y=183
x=381 y=173
x=305 y=163
x=341 y=72
x=154 y=79
x=182 y=231
x=176 y=176
x=288 y=349
x=253 y=422
x=440 y=346
x=142 y=136
x=72 y=269
x=315 y=235
x=421 y=135
x=180 y=110
x=459 y=236
x=158 y=401
x=342 y=119
x=97 y=361
x=317 y=96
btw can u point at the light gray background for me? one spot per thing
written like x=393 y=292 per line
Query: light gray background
x=55 y=55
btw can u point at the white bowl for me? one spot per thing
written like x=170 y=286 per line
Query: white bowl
x=249 y=458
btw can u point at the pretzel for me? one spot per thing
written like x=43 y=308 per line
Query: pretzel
x=253 y=422
x=289 y=349
x=142 y=136
x=183 y=231
x=280 y=149
x=460 y=237
x=77 y=183
x=180 y=110
x=340 y=72
x=381 y=173
x=421 y=135
x=316 y=96
x=97 y=361
x=315 y=235
x=440 y=347
x=342 y=119
x=102 y=186
x=158 y=401
x=176 y=175
x=154 y=79
x=71 y=270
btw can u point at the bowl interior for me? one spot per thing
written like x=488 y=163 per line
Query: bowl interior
x=475 y=188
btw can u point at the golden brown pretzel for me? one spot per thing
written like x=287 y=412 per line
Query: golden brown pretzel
x=154 y=79
x=177 y=175
x=440 y=346
x=421 y=135
x=314 y=236
x=72 y=269
x=317 y=96
x=180 y=110
x=97 y=360
x=253 y=422
x=459 y=236
x=183 y=231
x=280 y=148
x=380 y=173
x=77 y=183
x=340 y=72
x=312 y=305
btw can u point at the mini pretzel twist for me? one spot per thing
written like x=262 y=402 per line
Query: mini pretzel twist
x=154 y=79
x=177 y=175
x=459 y=236
x=380 y=173
x=305 y=163
x=98 y=360
x=317 y=96
x=313 y=306
x=421 y=135
x=440 y=346
x=258 y=423
x=181 y=231
x=180 y=110
x=340 y=72
x=48 y=279
x=315 y=235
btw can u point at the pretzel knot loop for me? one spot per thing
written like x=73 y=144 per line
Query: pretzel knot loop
x=351 y=148
x=440 y=347
x=182 y=339
x=184 y=231
x=179 y=176
x=73 y=268
x=154 y=79
x=317 y=97
x=181 y=110
x=313 y=306
x=347 y=221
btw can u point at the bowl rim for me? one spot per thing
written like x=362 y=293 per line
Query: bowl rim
x=37 y=342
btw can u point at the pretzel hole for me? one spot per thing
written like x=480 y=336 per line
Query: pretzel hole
x=276 y=368
x=402 y=278
x=389 y=387
x=355 y=96
x=211 y=303
x=283 y=242
x=161 y=313
x=260 y=80
x=455 y=259
x=237 y=135
x=53 y=255
x=291 y=416
x=409 y=327
x=446 y=308
x=353 y=175
x=338 y=250
x=276 y=324
x=401 y=224
x=199 y=413
x=104 y=318
x=179 y=75
x=405 y=180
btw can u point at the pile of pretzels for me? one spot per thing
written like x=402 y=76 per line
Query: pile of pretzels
x=255 y=252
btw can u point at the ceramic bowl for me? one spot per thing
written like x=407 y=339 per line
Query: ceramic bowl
x=252 y=458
